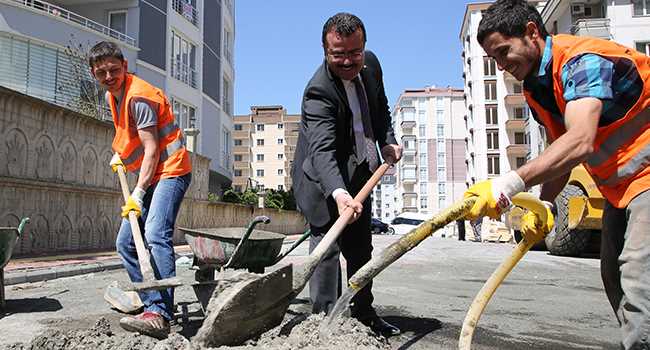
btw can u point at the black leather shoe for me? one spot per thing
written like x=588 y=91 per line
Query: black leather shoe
x=379 y=326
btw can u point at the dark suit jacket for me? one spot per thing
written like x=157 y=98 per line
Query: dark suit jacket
x=325 y=153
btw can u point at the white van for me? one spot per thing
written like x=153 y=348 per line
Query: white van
x=406 y=221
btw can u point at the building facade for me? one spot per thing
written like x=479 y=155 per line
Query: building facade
x=265 y=143
x=384 y=205
x=184 y=47
x=429 y=125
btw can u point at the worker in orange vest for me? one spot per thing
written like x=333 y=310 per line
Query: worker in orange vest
x=148 y=141
x=593 y=97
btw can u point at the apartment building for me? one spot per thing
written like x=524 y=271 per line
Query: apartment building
x=429 y=125
x=184 y=47
x=624 y=21
x=383 y=197
x=265 y=142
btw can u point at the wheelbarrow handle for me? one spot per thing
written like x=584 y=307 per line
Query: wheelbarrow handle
x=21 y=226
x=249 y=230
x=293 y=246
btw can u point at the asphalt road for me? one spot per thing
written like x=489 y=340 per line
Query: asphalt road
x=546 y=303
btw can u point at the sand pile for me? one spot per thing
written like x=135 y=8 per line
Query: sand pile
x=298 y=333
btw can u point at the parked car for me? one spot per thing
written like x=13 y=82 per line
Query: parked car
x=405 y=222
x=379 y=227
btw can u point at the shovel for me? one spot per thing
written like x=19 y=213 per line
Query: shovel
x=148 y=278
x=244 y=308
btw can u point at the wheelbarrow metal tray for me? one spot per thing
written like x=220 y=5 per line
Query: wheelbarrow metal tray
x=213 y=247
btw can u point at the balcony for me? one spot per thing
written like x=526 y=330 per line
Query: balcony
x=408 y=117
x=594 y=27
x=515 y=99
x=409 y=195
x=48 y=9
x=186 y=10
x=515 y=124
x=517 y=150
x=184 y=73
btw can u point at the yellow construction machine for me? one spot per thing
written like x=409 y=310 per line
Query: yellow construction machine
x=578 y=218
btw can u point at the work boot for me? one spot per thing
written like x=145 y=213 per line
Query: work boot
x=147 y=323
x=126 y=302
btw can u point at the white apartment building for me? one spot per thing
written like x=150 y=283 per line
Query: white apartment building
x=184 y=47
x=624 y=21
x=384 y=198
x=429 y=125
x=501 y=134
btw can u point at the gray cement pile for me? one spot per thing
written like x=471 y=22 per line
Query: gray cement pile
x=298 y=333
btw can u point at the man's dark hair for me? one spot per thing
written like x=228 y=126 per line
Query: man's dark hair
x=345 y=24
x=103 y=50
x=509 y=17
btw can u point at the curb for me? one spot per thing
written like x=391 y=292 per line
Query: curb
x=75 y=269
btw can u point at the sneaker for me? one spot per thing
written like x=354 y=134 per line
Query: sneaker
x=147 y=323
x=126 y=302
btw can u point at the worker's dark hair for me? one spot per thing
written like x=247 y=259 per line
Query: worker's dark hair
x=345 y=24
x=509 y=17
x=103 y=50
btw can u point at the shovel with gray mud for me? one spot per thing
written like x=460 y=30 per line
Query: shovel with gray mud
x=246 y=305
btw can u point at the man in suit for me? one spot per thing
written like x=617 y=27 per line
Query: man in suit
x=344 y=115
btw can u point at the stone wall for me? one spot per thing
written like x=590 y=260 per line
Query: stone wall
x=54 y=169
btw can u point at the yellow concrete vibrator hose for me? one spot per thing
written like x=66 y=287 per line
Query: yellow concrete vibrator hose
x=524 y=200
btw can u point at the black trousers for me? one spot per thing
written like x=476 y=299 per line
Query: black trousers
x=355 y=243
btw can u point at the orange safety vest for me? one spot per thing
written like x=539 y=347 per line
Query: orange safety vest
x=619 y=163
x=174 y=157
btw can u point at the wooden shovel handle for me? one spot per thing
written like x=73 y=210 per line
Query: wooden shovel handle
x=143 y=253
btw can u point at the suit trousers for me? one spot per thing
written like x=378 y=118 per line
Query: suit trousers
x=625 y=268
x=355 y=243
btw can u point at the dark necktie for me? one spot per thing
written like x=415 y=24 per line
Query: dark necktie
x=365 y=143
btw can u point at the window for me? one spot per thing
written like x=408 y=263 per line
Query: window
x=225 y=148
x=422 y=131
x=423 y=188
x=260 y=142
x=519 y=112
x=237 y=172
x=440 y=102
x=643 y=47
x=492 y=139
x=183 y=60
x=440 y=117
x=260 y=157
x=516 y=88
x=280 y=126
x=442 y=202
x=238 y=127
x=441 y=159
x=227 y=44
x=423 y=159
x=238 y=142
x=491 y=117
x=440 y=131
x=260 y=172
x=422 y=116
x=423 y=202
x=493 y=165
x=187 y=9
x=520 y=161
x=280 y=172
x=423 y=174
x=423 y=146
x=238 y=157
x=442 y=173
x=489 y=66
x=280 y=156
x=520 y=138
x=117 y=21
x=491 y=90
x=185 y=114
x=226 y=97
x=442 y=188
x=259 y=127
x=280 y=187
x=237 y=188
x=280 y=141
x=441 y=145
x=641 y=7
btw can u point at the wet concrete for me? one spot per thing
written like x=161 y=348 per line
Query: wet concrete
x=547 y=302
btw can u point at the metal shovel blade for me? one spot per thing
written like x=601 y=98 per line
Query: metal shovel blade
x=246 y=308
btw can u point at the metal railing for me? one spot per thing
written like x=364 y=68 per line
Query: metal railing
x=53 y=10
x=184 y=73
x=186 y=10
x=595 y=27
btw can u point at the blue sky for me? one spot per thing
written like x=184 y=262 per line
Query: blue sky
x=278 y=45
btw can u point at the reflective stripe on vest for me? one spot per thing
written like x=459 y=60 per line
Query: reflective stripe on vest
x=640 y=161
x=618 y=138
x=164 y=154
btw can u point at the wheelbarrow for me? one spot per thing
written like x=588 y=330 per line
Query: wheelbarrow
x=8 y=238
x=232 y=247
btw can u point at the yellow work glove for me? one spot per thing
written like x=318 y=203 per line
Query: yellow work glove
x=134 y=203
x=115 y=162
x=493 y=196
x=533 y=229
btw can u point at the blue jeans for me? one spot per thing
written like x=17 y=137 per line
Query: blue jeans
x=625 y=268
x=160 y=208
